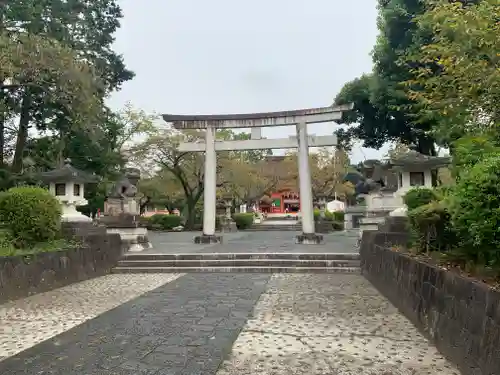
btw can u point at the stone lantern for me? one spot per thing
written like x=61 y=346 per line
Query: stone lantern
x=67 y=185
x=322 y=226
x=322 y=200
x=122 y=212
x=227 y=223
x=414 y=170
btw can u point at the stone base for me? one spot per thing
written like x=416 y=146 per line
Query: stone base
x=134 y=239
x=324 y=226
x=207 y=239
x=229 y=227
x=309 y=239
x=120 y=221
x=81 y=229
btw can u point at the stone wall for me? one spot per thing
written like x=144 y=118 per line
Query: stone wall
x=21 y=276
x=460 y=316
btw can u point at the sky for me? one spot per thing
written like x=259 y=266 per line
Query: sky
x=226 y=56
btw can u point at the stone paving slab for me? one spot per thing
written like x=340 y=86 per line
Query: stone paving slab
x=330 y=324
x=184 y=327
x=250 y=242
x=28 y=321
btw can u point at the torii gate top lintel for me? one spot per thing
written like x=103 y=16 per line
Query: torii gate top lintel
x=263 y=119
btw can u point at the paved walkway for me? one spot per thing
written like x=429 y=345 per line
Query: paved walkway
x=224 y=324
x=251 y=242
x=217 y=324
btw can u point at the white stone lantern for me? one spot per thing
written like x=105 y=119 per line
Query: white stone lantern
x=415 y=170
x=67 y=185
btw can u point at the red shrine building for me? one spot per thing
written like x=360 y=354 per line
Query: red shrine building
x=281 y=202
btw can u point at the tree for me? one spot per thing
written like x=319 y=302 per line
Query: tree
x=82 y=29
x=328 y=169
x=250 y=182
x=159 y=153
x=464 y=97
x=383 y=110
x=32 y=63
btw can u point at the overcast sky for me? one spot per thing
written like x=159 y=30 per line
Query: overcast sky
x=226 y=56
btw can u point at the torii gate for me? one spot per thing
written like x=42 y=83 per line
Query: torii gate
x=256 y=121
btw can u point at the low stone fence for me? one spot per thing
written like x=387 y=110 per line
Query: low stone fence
x=461 y=316
x=21 y=276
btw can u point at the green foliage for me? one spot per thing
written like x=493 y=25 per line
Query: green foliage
x=418 y=197
x=7 y=249
x=337 y=216
x=476 y=213
x=468 y=151
x=330 y=216
x=60 y=65
x=456 y=76
x=243 y=220
x=431 y=226
x=31 y=215
x=383 y=110
x=165 y=222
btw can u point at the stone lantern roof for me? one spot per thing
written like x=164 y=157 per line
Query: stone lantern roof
x=67 y=173
x=414 y=160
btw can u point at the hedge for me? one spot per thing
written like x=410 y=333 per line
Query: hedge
x=165 y=222
x=243 y=220
x=475 y=212
x=31 y=215
x=418 y=197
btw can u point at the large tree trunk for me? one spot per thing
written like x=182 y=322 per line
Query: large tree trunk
x=22 y=133
x=191 y=206
x=191 y=201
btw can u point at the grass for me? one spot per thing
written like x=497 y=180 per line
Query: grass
x=8 y=250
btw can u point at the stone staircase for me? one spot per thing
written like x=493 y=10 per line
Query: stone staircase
x=291 y=226
x=239 y=262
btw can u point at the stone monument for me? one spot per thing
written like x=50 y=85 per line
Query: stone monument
x=122 y=211
x=256 y=121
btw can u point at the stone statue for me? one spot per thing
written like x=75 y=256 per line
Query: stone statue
x=122 y=208
x=126 y=187
x=368 y=178
x=122 y=197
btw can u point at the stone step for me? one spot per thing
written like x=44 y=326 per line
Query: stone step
x=245 y=263
x=280 y=218
x=232 y=256
x=263 y=269
x=275 y=228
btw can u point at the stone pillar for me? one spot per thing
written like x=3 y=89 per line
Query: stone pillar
x=348 y=221
x=210 y=191
x=306 y=198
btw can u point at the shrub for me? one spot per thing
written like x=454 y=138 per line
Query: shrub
x=329 y=215
x=475 y=211
x=31 y=215
x=243 y=220
x=338 y=225
x=431 y=227
x=338 y=216
x=165 y=222
x=468 y=151
x=418 y=197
